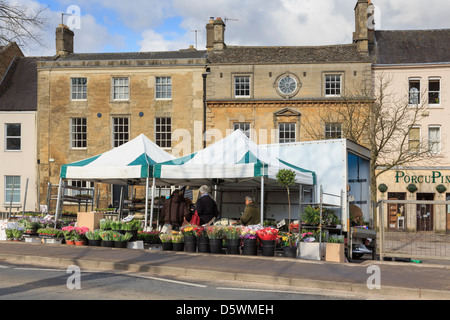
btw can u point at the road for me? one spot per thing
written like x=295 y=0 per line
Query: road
x=29 y=283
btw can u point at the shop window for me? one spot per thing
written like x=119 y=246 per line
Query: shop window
x=396 y=211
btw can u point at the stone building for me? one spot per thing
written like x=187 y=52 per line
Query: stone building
x=276 y=94
x=91 y=103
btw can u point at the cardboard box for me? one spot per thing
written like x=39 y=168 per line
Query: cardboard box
x=89 y=220
x=335 y=252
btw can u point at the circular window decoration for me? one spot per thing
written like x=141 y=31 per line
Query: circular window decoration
x=287 y=85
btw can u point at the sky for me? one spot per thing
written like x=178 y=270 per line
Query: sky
x=156 y=25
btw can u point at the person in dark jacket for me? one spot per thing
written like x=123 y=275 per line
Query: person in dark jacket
x=206 y=207
x=251 y=214
x=176 y=210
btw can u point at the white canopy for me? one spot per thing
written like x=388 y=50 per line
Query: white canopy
x=234 y=159
x=130 y=163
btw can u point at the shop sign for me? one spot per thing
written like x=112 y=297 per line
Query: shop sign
x=434 y=177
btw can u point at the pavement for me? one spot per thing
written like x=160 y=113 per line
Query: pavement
x=426 y=281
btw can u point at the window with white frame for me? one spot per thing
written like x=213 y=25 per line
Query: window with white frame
x=13 y=137
x=242 y=86
x=434 y=91
x=333 y=130
x=79 y=89
x=333 y=85
x=12 y=189
x=243 y=126
x=414 y=139
x=414 y=91
x=120 y=130
x=78 y=133
x=78 y=184
x=163 y=132
x=121 y=88
x=286 y=132
x=434 y=139
x=163 y=88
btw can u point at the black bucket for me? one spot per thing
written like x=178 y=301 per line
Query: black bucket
x=268 y=248
x=249 y=248
x=215 y=245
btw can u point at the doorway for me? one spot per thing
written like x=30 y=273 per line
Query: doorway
x=425 y=212
x=396 y=211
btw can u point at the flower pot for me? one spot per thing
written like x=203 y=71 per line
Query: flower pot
x=233 y=246
x=120 y=244
x=311 y=250
x=215 y=245
x=79 y=242
x=249 y=248
x=268 y=248
x=335 y=252
x=290 y=252
x=203 y=244
x=108 y=244
x=190 y=243
x=95 y=243
x=178 y=246
x=167 y=246
x=70 y=242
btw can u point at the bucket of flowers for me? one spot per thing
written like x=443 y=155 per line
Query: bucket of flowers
x=166 y=240
x=178 y=241
x=268 y=237
x=215 y=235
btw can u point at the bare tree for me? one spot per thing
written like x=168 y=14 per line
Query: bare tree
x=20 y=24
x=383 y=121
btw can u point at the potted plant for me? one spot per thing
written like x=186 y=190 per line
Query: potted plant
x=286 y=179
x=68 y=235
x=9 y=234
x=190 y=233
x=178 y=241
x=311 y=246
x=115 y=226
x=108 y=238
x=17 y=234
x=105 y=224
x=215 y=235
x=232 y=239
x=79 y=235
x=94 y=238
x=248 y=237
x=335 y=249
x=288 y=244
x=121 y=240
x=166 y=240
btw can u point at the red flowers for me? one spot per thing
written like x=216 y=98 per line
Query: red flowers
x=268 y=233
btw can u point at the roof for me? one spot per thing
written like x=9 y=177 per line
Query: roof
x=412 y=46
x=18 y=89
x=162 y=55
x=288 y=55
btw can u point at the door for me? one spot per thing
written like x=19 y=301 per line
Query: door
x=117 y=189
x=425 y=212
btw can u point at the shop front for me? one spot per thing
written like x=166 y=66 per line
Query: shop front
x=417 y=185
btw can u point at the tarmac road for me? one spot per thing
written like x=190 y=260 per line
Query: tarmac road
x=405 y=280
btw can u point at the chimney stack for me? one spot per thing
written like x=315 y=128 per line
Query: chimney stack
x=64 y=40
x=215 y=35
x=361 y=34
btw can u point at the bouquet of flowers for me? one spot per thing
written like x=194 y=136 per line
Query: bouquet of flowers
x=214 y=232
x=268 y=233
x=165 y=238
x=248 y=233
x=192 y=230
x=177 y=238
x=231 y=232
x=149 y=236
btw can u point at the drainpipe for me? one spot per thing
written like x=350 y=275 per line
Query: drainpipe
x=204 y=75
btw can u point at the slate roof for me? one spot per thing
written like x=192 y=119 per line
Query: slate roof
x=163 y=55
x=411 y=46
x=18 y=90
x=288 y=55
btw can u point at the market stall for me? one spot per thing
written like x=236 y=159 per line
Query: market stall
x=129 y=164
x=234 y=161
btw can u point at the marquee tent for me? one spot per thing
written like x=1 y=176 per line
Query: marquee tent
x=129 y=164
